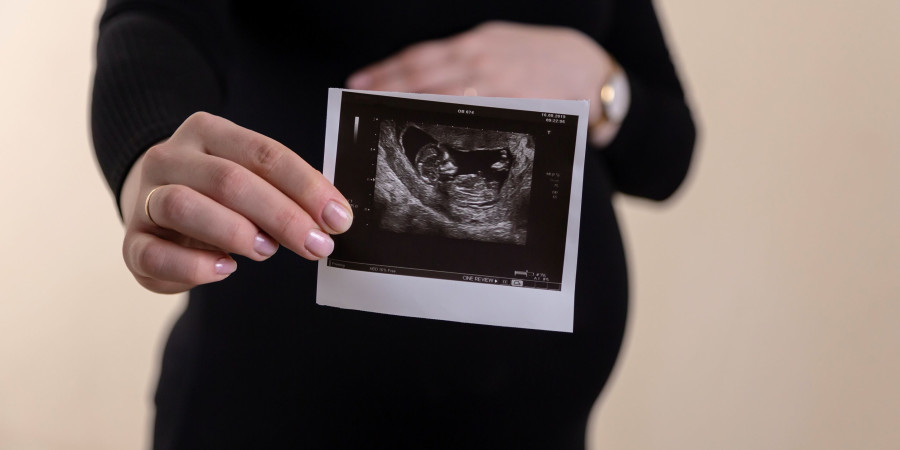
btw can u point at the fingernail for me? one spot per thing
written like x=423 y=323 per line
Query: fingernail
x=225 y=266
x=337 y=217
x=359 y=81
x=319 y=243
x=264 y=245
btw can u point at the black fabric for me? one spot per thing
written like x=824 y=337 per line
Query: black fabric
x=253 y=362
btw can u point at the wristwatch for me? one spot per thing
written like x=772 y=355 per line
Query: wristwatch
x=615 y=97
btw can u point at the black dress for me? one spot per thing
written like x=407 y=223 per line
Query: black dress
x=253 y=362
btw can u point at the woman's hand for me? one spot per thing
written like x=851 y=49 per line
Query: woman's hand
x=216 y=188
x=497 y=59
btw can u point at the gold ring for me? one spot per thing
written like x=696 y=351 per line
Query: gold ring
x=147 y=206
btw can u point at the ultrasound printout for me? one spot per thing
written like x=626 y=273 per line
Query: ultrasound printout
x=465 y=208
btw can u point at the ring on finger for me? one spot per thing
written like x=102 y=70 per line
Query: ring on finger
x=147 y=205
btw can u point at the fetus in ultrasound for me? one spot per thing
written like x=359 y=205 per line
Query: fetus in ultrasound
x=454 y=182
x=470 y=176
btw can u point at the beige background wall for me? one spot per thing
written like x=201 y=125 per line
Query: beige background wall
x=766 y=295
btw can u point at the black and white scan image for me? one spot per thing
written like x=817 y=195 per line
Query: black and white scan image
x=452 y=181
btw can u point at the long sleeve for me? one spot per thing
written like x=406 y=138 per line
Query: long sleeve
x=157 y=62
x=651 y=154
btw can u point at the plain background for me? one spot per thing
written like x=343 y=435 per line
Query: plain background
x=765 y=307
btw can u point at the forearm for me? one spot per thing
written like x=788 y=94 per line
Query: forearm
x=651 y=152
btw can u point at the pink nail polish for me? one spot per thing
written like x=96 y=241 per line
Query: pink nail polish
x=264 y=245
x=337 y=217
x=226 y=266
x=319 y=243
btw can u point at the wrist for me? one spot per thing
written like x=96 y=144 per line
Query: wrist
x=130 y=188
x=613 y=101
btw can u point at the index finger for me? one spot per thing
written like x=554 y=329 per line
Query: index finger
x=275 y=163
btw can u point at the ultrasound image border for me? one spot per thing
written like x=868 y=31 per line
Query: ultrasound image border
x=547 y=259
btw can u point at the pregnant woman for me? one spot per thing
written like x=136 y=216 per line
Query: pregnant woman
x=208 y=120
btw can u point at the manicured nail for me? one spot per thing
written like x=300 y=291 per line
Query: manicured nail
x=337 y=217
x=359 y=81
x=225 y=266
x=264 y=245
x=319 y=243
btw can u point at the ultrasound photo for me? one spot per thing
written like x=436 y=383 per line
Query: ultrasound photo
x=465 y=208
x=455 y=182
